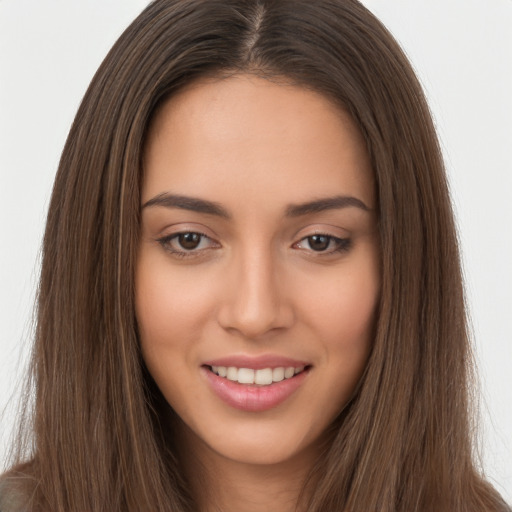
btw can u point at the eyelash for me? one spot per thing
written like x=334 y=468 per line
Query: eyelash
x=166 y=242
x=341 y=244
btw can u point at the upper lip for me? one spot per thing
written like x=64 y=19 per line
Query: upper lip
x=256 y=362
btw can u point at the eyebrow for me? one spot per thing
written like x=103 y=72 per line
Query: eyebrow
x=328 y=203
x=187 y=203
x=212 y=208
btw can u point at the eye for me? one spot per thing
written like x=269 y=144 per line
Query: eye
x=324 y=243
x=189 y=241
x=186 y=243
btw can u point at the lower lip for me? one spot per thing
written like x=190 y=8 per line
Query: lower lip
x=252 y=398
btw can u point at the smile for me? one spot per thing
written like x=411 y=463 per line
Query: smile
x=255 y=384
x=260 y=377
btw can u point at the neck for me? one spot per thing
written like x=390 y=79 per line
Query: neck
x=233 y=487
x=220 y=484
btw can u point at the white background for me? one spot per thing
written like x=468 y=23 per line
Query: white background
x=462 y=51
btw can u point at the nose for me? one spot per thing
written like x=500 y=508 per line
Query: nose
x=255 y=302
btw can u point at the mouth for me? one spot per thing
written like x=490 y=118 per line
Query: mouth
x=255 y=385
x=258 y=377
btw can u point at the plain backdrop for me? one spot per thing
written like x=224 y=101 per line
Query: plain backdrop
x=462 y=51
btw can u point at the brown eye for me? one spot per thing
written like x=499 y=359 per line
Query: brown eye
x=324 y=244
x=189 y=241
x=319 y=242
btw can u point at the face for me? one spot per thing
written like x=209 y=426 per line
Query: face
x=258 y=269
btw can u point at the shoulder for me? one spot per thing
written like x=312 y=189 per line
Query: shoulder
x=11 y=498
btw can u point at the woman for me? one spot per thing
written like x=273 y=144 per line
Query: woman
x=250 y=295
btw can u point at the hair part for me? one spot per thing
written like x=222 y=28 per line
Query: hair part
x=404 y=442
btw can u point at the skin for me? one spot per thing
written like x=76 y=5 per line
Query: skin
x=254 y=285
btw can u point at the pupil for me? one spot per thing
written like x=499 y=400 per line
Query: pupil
x=189 y=240
x=318 y=242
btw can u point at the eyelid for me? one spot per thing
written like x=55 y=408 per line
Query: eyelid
x=340 y=237
x=166 y=240
x=341 y=245
x=321 y=229
x=341 y=242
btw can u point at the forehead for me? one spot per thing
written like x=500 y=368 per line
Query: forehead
x=249 y=134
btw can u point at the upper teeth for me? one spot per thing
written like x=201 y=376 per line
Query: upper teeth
x=263 y=377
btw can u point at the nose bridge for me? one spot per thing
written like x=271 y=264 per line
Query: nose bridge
x=256 y=303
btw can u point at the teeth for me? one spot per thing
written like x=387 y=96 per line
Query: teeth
x=263 y=377
x=246 y=376
x=289 y=372
x=278 y=374
x=232 y=373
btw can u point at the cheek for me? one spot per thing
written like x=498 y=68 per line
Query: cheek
x=171 y=311
x=341 y=311
x=343 y=305
x=171 y=308
x=350 y=323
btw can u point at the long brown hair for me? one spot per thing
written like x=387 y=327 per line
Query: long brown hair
x=404 y=443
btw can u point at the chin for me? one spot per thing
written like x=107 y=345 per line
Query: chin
x=258 y=442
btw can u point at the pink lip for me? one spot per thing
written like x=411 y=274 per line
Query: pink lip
x=250 y=397
x=256 y=363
